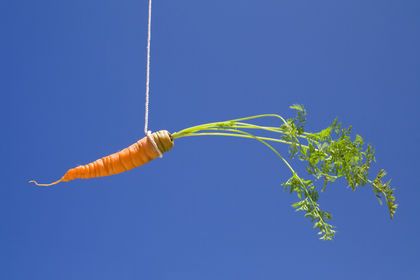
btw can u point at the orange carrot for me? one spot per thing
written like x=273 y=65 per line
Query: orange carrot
x=139 y=153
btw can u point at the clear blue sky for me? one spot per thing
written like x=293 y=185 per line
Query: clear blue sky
x=72 y=86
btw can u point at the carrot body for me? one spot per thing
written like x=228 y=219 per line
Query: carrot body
x=133 y=156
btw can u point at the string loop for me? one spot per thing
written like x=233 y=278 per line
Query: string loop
x=150 y=137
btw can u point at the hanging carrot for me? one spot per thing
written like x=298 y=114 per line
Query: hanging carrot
x=139 y=153
x=329 y=154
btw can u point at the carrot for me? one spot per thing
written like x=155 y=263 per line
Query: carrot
x=139 y=153
x=329 y=153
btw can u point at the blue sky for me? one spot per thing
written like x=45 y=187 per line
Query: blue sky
x=72 y=81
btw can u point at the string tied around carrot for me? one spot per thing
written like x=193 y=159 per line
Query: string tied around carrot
x=155 y=146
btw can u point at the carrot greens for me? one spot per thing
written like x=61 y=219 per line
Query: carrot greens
x=329 y=154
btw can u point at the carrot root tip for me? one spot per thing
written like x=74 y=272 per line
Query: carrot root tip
x=44 y=185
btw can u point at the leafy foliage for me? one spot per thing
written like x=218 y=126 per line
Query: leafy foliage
x=329 y=154
x=308 y=195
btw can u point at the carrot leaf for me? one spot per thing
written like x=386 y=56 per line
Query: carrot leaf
x=329 y=154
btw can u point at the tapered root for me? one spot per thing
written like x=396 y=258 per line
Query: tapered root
x=137 y=154
x=45 y=185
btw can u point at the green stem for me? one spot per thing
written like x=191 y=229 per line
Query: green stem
x=237 y=135
x=253 y=126
x=227 y=123
x=261 y=116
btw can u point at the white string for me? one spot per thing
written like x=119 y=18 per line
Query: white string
x=146 y=105
x=149 y=136
x=149 y=38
